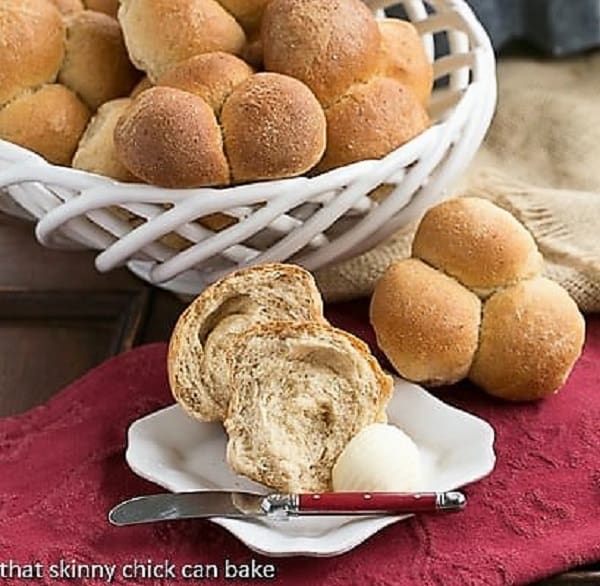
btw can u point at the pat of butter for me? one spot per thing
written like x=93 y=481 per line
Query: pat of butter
x=380 y=458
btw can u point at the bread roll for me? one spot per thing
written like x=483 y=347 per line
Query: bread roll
x=403 y=57
x=96 y=64
x=380 y=458
x=171 y=138
x=302 y=391
x=273 y=127
x=96 y=152
x=109 y=7
x=426 y=323
x=161 y=33
x=247 y=12
x=328 y=44
x=370 y=121
x=32 y=38
x=481 y=245
x=196 y=362
x=531 y=335
x=48 y=121
x=141 y=86
x=212 y=76
x=68 y=6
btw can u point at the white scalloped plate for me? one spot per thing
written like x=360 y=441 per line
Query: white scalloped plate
x=181 y=455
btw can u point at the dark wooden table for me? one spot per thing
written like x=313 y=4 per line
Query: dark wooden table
x=59 y=317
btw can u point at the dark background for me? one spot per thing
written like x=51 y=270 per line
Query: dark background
x=556 y=27
x=552 y=27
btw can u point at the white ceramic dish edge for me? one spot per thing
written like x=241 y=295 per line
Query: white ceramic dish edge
x=456 y=448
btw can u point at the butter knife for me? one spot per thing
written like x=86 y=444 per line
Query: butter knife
x=206 y=504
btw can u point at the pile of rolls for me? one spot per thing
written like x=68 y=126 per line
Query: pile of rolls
x=55 y=70
x=472 y=303
x=234 y=91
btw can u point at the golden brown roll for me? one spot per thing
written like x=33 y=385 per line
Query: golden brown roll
x=96 y=64
x=162 y=33
x=48 y=121
x=426 y=323
x=171 y=138
x=480 y=244
x=212 y=76
x=403 y=57
x=32 y=37
x=328 y=44
x=109 y=7
x=273 y=127
x=96 y=151
x=68 y=6
x=531 y=335
x=370 y=121
x=247 y=12
x=141 y=86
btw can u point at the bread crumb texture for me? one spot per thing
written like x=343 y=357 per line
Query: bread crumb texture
x=198 y=371
x=302 y=391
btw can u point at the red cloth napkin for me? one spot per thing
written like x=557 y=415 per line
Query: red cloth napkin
x=62 y=469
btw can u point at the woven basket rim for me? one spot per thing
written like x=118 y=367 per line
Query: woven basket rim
x=312 y=220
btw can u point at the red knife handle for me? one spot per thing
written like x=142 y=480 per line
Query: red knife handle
x=379 y=502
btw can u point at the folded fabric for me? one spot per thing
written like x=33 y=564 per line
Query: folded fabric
x=540 y=162
x=62 y=468
x=551 y=25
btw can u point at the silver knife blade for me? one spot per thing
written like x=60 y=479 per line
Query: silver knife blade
x=169 y=507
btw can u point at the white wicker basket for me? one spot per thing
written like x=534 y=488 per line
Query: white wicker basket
x=311 y=221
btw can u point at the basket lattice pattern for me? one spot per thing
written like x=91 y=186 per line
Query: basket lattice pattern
x=159 y=233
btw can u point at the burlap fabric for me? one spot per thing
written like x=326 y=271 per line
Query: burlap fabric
x=541 y=162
